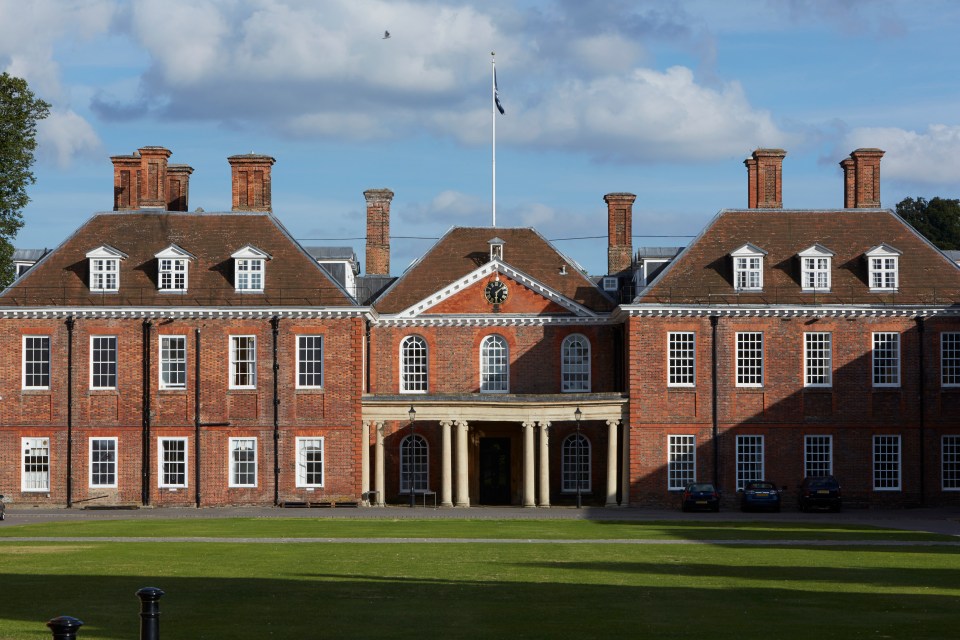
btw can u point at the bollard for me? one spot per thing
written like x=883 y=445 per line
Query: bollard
x=149 y=613
x=64 y=627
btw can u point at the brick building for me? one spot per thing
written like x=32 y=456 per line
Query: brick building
x=164 y=357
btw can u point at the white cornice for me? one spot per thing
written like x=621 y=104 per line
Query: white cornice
x=846 y=311
x=184 y=312
x=491 y=320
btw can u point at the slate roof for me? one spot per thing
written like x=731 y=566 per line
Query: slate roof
x=703 y=272
x=292 y=276
x=463 y=249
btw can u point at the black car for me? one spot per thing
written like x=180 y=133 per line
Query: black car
x=700 y=495
x=819 y=492
x=2 y=508
x=760 y=495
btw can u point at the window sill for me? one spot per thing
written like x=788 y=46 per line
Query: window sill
x=36 y=391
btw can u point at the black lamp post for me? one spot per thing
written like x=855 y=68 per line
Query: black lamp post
x=577 y=415
x=412 y=413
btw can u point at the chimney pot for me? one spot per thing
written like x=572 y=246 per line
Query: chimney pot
x=250 y=181
x=378 y=231
x=619 y=231
x=861 y=179
x=765 y=179
x=153 y=177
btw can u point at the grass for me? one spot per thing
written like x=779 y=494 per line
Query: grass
x=335 y=590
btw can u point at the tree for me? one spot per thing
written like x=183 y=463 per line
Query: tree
x=938 y=220
x=20 y=111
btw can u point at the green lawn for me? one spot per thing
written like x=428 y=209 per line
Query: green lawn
x=334 y=590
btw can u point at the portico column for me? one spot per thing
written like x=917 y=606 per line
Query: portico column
x=379 y=462
x=446 y=465
x=544 y=463
x=528 y=489
x=365 y=464
x=612 y=462
x=625 y=480
x=463 y=487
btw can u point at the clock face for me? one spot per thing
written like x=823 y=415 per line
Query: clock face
x=495 y=292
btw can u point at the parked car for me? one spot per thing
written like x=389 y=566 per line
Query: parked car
x=700 y=495
x=3 y=507
x=819 y=492
x=760 y=495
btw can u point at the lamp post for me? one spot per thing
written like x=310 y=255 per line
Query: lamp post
x=412 y=413
x=577 y=415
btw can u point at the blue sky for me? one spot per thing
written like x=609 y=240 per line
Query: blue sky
x=661 y=99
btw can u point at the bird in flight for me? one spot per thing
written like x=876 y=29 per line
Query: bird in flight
x=386 y=34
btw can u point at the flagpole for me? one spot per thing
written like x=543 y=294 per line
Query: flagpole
x=493 y=117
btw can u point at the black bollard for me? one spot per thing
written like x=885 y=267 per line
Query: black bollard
x=149 y=613
x=64 y=627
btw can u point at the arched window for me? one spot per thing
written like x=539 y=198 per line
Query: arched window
x=414 y=464
x=575 y=364
x=413 y=365
x=494 y=365
x=576 y=456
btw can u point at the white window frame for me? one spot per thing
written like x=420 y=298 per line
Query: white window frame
x=883 y=268
x=887 y=462
x=575 y=364
x=103 y=353
x=885 y=359
x=249 y=270
x=816 y=448
x=239 y=466
x=414 y=365
x=310 y=370
x=163 y=459
x=167 y=362
x=681 y=461
x=818 y=359
x=750 y=460
x=98 y=468
x=35 y=481
x=816 y=264
x=950 y=462
x=681 y=359
x=104 y=264
x=421 y=464
x=950 y=359
x=568 y=470
x=749 y=360
x=173 y=269
x=748 y=268
x=302 y=462
x=494 y=364
x=37 y=352
x=236 y=375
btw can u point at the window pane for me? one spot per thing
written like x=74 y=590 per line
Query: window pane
x=576 y=463
x=414 y=464
x=681 y=464
x=243 y=359
x=309 y=361
x=173 y=362
x=35 y=475
x=886 y=359
x=36 y=362
x=749 y=460
x=886 y=462
x=243 y=462
x=750 y=359
x=575 y=363
x=494 y=365
x=681 y=359
x=173 y=462
x=414 y=376
x=818 y=359
x=818 y=455
x=103 y=462
x=309 y=462
x=103 y=362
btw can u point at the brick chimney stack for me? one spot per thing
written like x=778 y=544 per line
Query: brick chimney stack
x=765 y=179
x=126 y=182
x=153 y=177
x=619 y=231
x=251 y=182
x=178 y=187
x=378 y=231
x=861 y=179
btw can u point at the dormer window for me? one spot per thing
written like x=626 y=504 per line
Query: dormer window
x=815 y=266
x=748 y=268
x=173 y=266
x=883 y=266
x=249 y=269
x=105 y=269
x=496 y=249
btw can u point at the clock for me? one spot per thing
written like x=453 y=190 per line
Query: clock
x=495 y=292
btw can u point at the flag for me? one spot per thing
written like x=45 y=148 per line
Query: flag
x=496 y=93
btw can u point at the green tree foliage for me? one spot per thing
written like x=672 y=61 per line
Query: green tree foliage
x=937 y=219
x=20 y=111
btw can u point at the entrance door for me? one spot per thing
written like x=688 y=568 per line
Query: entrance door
x=494 y=470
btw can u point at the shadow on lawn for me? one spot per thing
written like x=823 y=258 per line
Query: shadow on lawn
x=658 y=600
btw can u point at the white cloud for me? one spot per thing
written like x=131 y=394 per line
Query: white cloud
x=453 y=207
x=917 y=157
x=64 y=135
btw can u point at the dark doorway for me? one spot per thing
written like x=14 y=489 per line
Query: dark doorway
x=494 y=470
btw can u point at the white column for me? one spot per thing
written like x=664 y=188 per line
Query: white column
x=379 y=483
x=528 y=477
x=463 y=486
x=612 y=462
x=625 y=480
x=446 y=465
x=544 y=463
x=365 y=464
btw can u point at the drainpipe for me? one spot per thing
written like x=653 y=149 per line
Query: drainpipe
x=275 y=325
x=923 y=412
x=196 y=418
x=367 y=358
x=714 y=321
x=145 y=444
x=70 y=324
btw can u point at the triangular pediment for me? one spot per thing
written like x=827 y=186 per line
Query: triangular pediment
x=467 y=296
x=175 y=252
x=106 y=251
x=251 y=252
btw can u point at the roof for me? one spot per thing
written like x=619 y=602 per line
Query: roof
x=463 y=249
x=703 y=272
x=658 y=252
x=292 y=277
x=28 y=255
x=332 y=253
